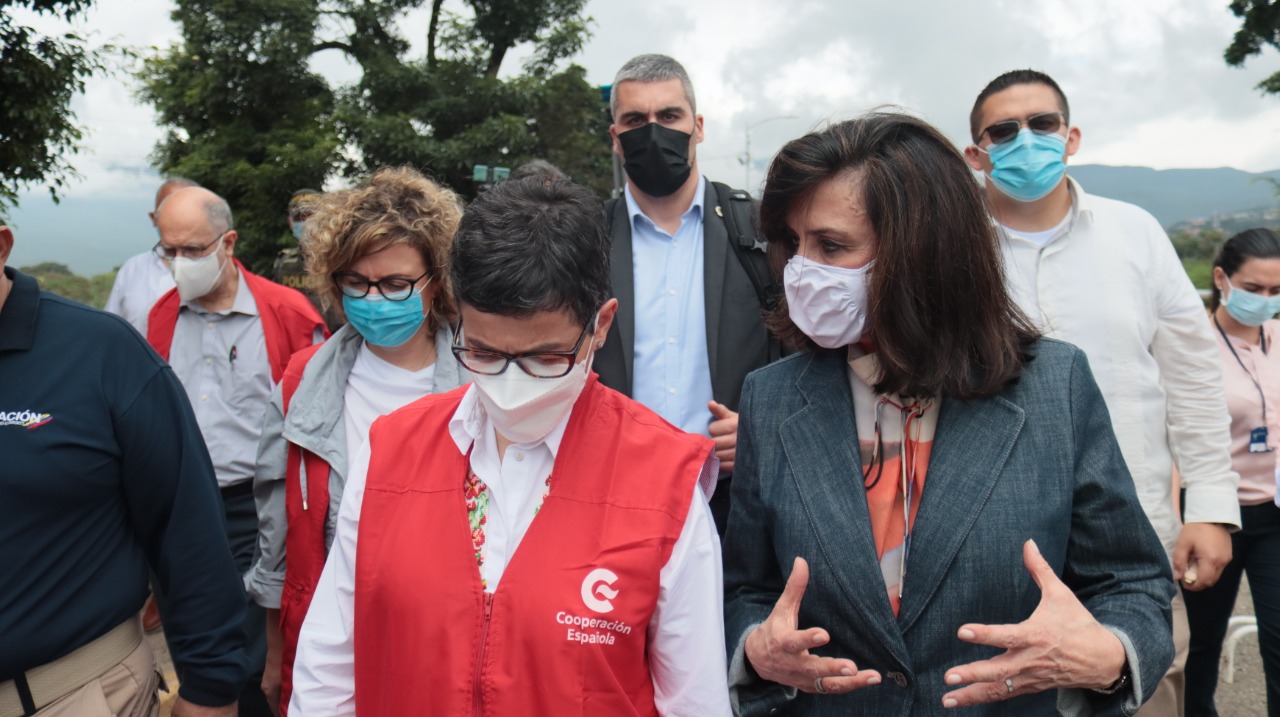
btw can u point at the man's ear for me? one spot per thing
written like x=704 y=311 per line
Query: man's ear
x=6 y=244
x=975 y=158
x=229 y=242
x=1073 y=140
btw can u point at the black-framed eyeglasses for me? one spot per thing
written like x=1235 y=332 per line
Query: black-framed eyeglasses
x=1043 y=123
x=542 y=364
x=391 y=288
x=167 y=253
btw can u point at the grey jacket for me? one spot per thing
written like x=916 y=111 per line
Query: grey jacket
x=1038 y=461
x=315 y=423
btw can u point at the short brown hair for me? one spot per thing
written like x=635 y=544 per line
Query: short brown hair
x=942 y=321
x=1004 y=82
x=395 y=205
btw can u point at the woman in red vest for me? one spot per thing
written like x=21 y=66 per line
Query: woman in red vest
x=534 y=544
x=380 y=250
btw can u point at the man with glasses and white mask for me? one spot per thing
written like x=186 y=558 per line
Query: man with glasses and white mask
x=1103 y=275
x=534 y=543
x=228 y=334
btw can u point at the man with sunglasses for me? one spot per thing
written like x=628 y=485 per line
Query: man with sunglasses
x=228 y=334
x=534 y=542
x=1103 y=275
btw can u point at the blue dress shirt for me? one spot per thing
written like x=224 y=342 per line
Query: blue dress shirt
x=672 y=375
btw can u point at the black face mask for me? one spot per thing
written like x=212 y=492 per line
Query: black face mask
x=657 y=158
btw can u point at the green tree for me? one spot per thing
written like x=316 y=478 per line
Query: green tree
x=442 y=112
x=1259 y=27
x=245 y=116
x=59 y=279
x=38 y=77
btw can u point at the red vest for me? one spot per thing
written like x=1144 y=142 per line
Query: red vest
x=288 y=319
x=566 y=631
x=304 y=533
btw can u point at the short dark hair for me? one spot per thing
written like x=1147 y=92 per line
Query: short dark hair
x=538 y=168
x=1259 y=243
x=942 y=321
x=1007 y=80
x=533 y=245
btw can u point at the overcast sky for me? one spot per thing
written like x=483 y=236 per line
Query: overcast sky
x=1145 y=78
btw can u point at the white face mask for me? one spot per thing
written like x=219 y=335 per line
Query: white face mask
x=525 y=409
x=197 y=277
x=827 y=303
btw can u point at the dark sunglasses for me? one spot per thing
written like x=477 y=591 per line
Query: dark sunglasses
x=1044 y=123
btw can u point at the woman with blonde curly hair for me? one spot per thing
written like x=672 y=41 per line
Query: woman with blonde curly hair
x=380 y=252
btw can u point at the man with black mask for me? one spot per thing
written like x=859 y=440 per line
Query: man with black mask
x=689 y=325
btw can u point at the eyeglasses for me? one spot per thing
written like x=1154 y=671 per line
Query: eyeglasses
x=391 y=288
x=1043 y=123
x=544 y=364
x=167 y=253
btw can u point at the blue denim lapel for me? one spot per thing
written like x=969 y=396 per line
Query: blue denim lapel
x=971 y=446
x=821 y=444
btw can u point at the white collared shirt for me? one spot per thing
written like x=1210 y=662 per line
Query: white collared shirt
x=141 y=281
x=1112 y=284
x=686 y=632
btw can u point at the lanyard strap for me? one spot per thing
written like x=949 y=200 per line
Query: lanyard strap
x=1262 y=342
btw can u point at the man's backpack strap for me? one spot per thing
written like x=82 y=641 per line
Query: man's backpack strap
x=738 y=210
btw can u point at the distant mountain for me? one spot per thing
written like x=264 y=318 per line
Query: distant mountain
x=1176 y=195
x=91 y=235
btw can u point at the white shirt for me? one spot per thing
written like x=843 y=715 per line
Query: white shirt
x=686 y=632
x=141 y=281
x=671 y=372
x=375 y=388
x=1112 y=285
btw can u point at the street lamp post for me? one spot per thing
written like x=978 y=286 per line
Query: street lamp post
x=747 y=144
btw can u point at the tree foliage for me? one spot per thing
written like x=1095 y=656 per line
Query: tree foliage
x=59 y=279
x=245 y=116
x=240 y=80
x=38 y=77
x=1259 y=27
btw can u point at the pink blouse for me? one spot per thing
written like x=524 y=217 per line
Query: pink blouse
x=1257 y=470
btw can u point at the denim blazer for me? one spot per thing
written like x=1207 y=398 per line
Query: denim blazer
x=1037 y=461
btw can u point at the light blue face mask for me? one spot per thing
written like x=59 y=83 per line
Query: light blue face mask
x=1249 y=308
x=1028 y=166
x=383 y=322
x=297 y=230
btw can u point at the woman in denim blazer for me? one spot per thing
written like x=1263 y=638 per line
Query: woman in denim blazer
x=1021 y=577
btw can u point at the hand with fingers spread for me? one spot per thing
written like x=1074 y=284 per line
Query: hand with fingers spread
x=779 y=651
x=724 y=431
x=1060 y=646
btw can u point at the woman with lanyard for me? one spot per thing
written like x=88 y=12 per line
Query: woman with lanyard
x=1246 y=294
x=380 y=252
x=930 y=510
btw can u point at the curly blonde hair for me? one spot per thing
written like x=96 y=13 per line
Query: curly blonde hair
x=394 y=205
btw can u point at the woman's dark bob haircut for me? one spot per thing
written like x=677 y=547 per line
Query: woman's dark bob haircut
x=1260 y=243
x=938 y=313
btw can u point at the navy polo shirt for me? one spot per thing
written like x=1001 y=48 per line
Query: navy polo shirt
x=102 y=471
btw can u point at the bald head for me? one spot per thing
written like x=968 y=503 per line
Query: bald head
x=171 y=185
x=195 y=206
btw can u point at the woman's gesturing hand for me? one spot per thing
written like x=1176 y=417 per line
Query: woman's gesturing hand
x=779 y=651
x=1060 y=645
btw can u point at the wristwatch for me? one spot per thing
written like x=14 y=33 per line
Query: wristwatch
x=1119 y=684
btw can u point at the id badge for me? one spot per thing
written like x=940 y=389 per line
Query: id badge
x=1258 y=440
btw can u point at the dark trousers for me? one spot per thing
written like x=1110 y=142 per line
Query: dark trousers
x=1255 y=551
x=242 y=532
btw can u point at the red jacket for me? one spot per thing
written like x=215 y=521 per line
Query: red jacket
x=289 y=321
x=304 y=539
x=566 y=631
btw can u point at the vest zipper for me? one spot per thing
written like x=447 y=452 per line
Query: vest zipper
x=477 y=708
